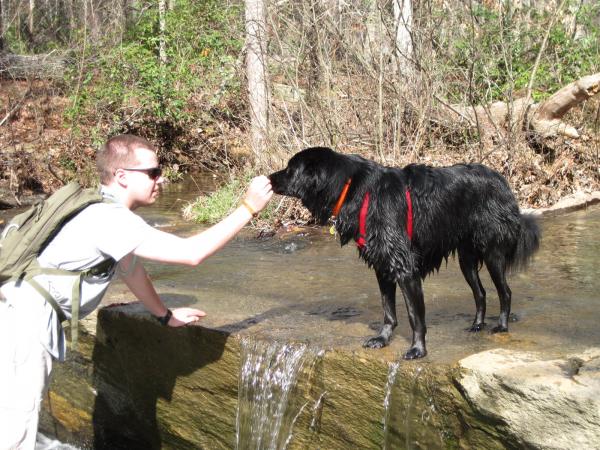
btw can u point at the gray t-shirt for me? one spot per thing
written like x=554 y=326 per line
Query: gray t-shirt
x=99 y=232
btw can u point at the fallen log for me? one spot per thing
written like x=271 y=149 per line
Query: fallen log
x=545 y=119
x=48 y=66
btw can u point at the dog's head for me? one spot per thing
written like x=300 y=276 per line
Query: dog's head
x=316 y=176
x=307 y=171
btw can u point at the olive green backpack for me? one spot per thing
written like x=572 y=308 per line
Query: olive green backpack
x=27 y=235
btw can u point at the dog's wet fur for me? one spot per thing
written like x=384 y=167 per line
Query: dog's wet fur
x=467 y=209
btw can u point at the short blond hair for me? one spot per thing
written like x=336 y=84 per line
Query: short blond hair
x=118 y=153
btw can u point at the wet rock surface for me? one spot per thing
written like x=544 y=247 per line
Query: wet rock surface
x=139 y=385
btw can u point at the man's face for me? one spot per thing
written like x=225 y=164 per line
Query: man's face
x=143 y=185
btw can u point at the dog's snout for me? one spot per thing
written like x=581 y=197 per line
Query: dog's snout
x=277 y=182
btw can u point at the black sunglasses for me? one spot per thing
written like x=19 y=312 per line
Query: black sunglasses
x=153 y=172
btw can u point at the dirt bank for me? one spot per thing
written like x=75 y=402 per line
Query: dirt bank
x=40 y=151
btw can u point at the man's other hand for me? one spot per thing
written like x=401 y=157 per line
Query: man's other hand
x=183 y=316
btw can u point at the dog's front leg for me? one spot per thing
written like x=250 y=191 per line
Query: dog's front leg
x=415 y=306
x=388 y=300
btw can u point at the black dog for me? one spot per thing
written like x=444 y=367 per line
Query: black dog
x=406 y=221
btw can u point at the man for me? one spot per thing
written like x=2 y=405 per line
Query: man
x=30 y=333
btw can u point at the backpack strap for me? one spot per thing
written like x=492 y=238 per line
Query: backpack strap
x=75 y=304
x=44 y=293
x=102 y=268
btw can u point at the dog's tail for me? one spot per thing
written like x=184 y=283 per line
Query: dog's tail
x=528 y=241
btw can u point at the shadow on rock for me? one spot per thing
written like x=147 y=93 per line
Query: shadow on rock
x=136 y=365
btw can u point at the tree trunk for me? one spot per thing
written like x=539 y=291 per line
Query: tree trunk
x=256 y=67
x=31 y=15
x=376 y=43
x=93 y=26
x=162 y=26
x=126 y=15
x=71 y=17
x=48 y=66
x=404 y=46
x=85 y=15
x=1 y=28
x=546 y=118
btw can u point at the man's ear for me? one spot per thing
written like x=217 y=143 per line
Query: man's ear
x=121 y=178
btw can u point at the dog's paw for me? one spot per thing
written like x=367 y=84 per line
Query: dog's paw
x=415 y=353
x=499 y=329
x=475 y=328
x=376 y=342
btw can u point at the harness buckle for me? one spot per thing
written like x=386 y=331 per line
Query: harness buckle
x=333 y=221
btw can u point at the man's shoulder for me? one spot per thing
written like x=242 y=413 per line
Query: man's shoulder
x=108 y=207
x=107 y=211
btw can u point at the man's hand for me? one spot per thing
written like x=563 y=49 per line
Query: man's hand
x=259 y=193
x=183 y=316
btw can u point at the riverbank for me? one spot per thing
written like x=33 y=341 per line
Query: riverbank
x=42 y=150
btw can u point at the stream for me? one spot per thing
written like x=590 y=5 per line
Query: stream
x=292 y=296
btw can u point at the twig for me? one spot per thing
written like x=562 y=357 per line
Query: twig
x=16 y=108
x=451 y=108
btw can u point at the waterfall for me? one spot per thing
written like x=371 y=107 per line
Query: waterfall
x=267 y=406
x=413 y=415
x=405 y=417
x=45 y=443
x=391 y=379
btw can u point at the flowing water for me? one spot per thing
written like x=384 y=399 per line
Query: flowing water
x=392 y=372
x=269 y=374
x=303 y=287
x=46 y=443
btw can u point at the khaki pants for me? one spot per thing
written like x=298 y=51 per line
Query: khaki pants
x=24 y=371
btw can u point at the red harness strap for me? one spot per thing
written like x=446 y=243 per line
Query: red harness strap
x=362 y=219
x=409 y=216
x=362 y=222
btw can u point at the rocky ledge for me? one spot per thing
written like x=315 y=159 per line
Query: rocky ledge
x=572 y=202
x=135 y=384
x=537 y=403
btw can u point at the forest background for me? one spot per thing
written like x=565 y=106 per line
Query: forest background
x=237 y=87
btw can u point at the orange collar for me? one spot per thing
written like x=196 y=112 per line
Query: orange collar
x=340 y=202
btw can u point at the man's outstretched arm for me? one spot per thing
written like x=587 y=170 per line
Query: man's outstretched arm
x=136 y=278
x=166 y=247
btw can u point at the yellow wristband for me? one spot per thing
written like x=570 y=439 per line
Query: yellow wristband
x=246 y=205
